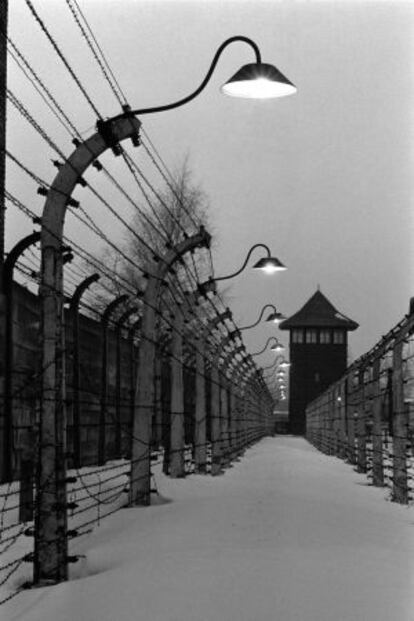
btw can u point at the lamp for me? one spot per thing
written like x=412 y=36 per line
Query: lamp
x=258 y=81
x=275 y=316
x=273 y=348
x=268 y=264
x=285 y=364
x=253 y=81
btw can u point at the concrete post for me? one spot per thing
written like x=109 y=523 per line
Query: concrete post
x=236 y=402
x=119 y=400
x=50 y=555
x=350 y=420
x=399 y=430
x=177 y=442
x=157 y=439
x=200 y=435
x=8 y=351
x=74 y=312
x=103 y=415
x=377 y=444
x=224 y=408
x=217 y=414
x=144 y=396
x=5 y=463
x=215 y=420
x=132 y=377
x=361 y=425
x=201 y=422
x=233 y=408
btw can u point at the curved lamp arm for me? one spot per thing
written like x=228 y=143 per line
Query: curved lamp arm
x=245 y=262
x=203 y=84
x=271 y=338
x=253 y=325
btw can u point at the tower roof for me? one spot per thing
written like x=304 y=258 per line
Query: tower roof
x=318 y=312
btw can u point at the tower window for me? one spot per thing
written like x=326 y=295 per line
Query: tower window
x=311 y=336
x=339 y=337
x=325 y=336
x=297 y=336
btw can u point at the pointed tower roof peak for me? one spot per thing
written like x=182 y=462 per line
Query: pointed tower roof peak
x=318 y=312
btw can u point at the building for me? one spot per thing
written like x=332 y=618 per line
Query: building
x=318 y=346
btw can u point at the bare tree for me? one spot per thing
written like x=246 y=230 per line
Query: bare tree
x=177 y=210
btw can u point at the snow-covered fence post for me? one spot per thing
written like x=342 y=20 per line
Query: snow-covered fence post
x=399 y=428
x=342 y=420
x=224 y=408
x=6 y=439
x=76 y=381
x=50 y=525
x=333 y=422
x=103 y=412
x=361 y=423
x=215 y=418
x=377 y=444
x=243 y=404
x=200 y=413
x=326 y=424
x=350 y=417
x=236 y=383
x=227 y=397
x=217 y=413
x=132 y=377
x=119 y=400
x=157 y=433
x=177 y=441
x=144 y=396
x=200 y=426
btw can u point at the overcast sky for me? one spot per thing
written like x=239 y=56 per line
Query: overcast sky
x=323 y=177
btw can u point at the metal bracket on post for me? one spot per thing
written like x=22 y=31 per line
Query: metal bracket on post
x=107 y=130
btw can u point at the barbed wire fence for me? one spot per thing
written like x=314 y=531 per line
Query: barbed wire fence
x=367 y=417
x=72 y=410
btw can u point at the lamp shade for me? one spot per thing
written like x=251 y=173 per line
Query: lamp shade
x=258 y=81
x=276 y=317
x=269 y=265
x=277 y=347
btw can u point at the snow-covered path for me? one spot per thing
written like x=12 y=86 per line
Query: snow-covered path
x=287 y=534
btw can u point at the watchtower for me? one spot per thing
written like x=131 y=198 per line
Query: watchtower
x=318 y=345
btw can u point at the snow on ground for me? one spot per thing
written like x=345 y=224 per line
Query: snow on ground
x=287 y=534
